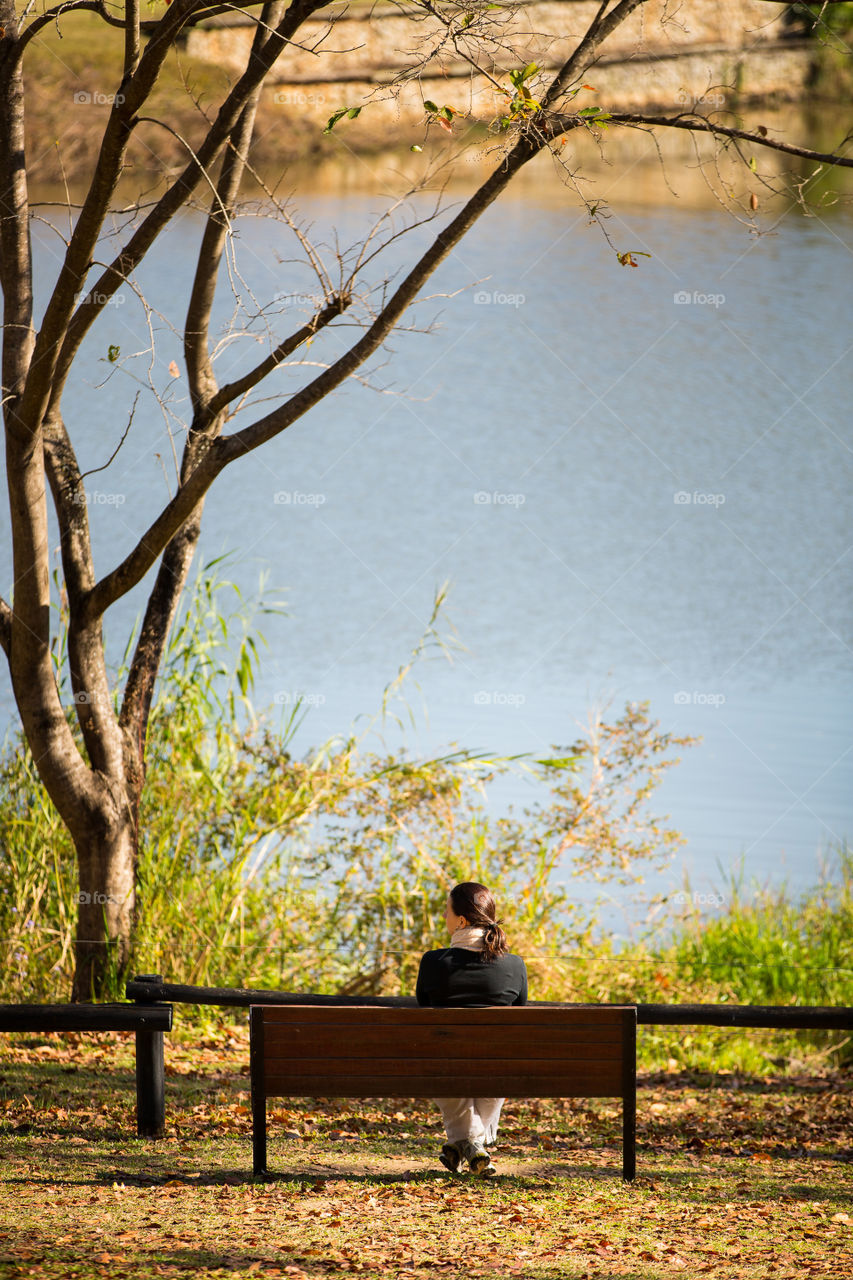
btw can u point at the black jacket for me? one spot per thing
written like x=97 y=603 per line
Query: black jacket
x=454 y=976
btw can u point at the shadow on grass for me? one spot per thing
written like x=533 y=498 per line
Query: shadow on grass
x=743 y=1082
x=701 y=1186
x=315 y=1179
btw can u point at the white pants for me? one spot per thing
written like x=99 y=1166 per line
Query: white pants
x=473 y=1118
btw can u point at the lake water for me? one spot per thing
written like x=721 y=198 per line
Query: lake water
x=638 y=483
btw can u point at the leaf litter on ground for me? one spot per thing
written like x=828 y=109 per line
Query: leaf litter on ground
x=737 y=1177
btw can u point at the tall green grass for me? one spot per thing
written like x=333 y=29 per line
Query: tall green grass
x=769 y=947
x=328 y=872
x=765 y=947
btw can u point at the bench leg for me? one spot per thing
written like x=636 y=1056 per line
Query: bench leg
x=629 y=1096
x=629 y=1136
x=257 y=1076
x=259 y=1134
x=150 y=1085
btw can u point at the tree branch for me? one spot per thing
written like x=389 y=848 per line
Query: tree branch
x=25 y=627
x=197 y=326
x=66 y=486
x=177 y=556
x=205 y=12
x=700 y=125
x=131 y=38
x=153 y=634
x=39 y=388
x=222 y=451
x=89 y=680
x=15 y=256
x=600 y=28
x=181 y=189
x=70 y=6
x=233 y=390
x=227 y=449
x=148 y=27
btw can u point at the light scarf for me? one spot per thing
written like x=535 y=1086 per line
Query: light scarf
x=469 y=939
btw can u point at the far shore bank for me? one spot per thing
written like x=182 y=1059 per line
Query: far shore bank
x=70 y=81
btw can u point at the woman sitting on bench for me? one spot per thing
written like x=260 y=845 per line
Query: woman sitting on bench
x=476 y=970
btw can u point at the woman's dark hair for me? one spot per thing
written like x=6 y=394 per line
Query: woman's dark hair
x=476 y=903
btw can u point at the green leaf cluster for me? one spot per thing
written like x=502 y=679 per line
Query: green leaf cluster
x=351 y=113
x=522 y=104
x=595 y=115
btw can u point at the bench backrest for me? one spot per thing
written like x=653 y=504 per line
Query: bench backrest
x=529 y=1052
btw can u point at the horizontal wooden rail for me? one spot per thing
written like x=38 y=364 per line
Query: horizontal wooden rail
x=242 y=997
x=147 y=1019
x=779 y=1016
x=85 y=1017
x=782 y=1017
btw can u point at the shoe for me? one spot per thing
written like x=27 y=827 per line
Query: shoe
x=451 y=1157
x=479 y=1160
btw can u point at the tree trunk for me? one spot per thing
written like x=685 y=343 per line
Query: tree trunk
x=107 y=859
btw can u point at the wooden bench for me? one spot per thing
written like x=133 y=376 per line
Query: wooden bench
x=147 y=1021
x=525 y=1052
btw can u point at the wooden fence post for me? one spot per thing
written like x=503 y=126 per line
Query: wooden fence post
x=150 y=1073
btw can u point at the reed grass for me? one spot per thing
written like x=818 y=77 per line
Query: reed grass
x=328 y=873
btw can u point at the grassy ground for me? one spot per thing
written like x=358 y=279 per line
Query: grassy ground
x=737 y=1176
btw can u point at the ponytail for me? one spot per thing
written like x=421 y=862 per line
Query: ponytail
x=494 y=942
x=477 y=904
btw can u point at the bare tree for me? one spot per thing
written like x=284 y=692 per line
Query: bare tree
x=95 y=777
